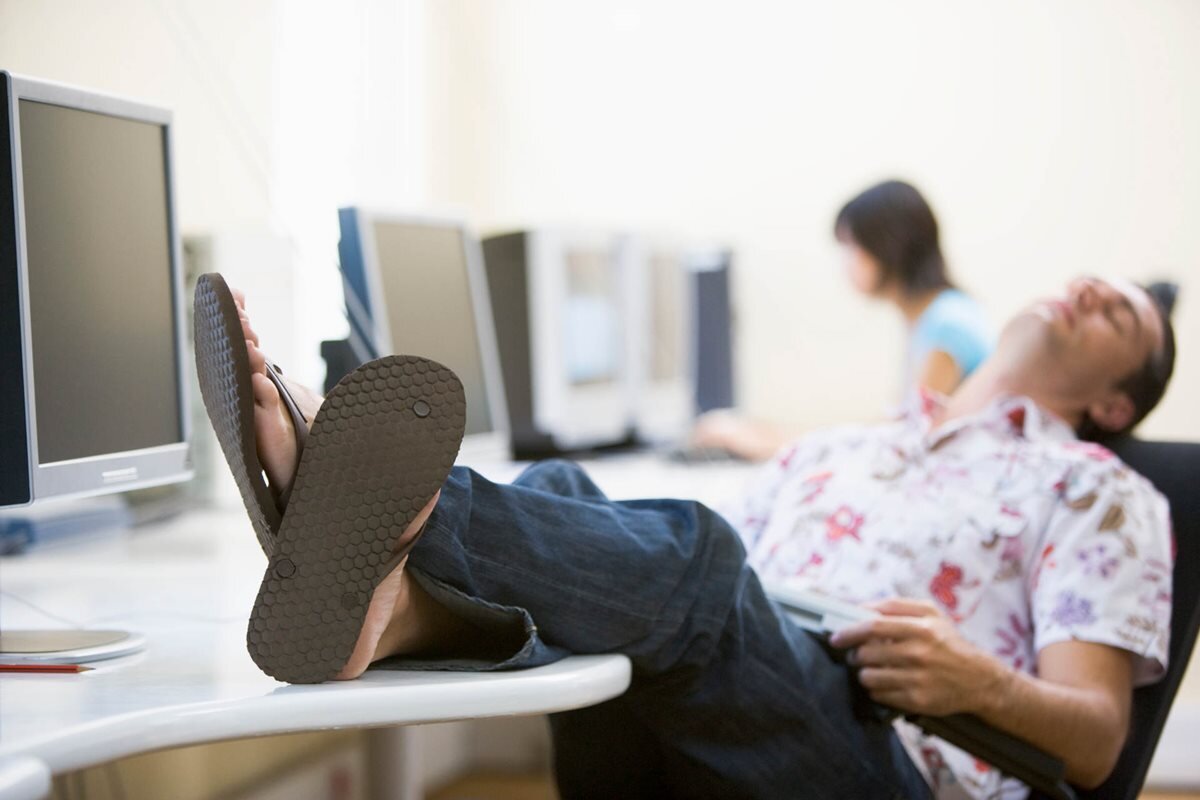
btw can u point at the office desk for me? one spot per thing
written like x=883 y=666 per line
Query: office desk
x=188 y=585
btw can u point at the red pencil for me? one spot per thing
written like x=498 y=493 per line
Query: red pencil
x=43 y=668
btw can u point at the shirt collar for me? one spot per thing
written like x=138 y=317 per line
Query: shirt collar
x=1008 y=415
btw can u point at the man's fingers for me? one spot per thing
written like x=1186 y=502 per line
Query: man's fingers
x=884 y=653
x=905 y=606
x=884 y=679
x=880 y=628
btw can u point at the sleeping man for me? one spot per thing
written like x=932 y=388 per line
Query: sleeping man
x=1019 y=573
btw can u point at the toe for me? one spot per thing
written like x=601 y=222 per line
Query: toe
x=265 y=393
x=258 y=360
x=247 y=332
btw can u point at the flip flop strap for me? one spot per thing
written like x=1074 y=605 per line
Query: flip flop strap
x=299 y=422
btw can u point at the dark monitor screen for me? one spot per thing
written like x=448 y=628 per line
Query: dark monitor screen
x=428 y=296
x=98 y=246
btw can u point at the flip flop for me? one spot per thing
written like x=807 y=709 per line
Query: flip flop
x=380 y=448
x=223 y=368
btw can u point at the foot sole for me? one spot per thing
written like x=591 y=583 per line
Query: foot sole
x=379 y=449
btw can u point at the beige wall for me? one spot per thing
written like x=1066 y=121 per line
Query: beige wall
x=284 y=110
x=1052 y=137
x=210 y=62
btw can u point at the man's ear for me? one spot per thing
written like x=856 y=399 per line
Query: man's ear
x=1112 y=413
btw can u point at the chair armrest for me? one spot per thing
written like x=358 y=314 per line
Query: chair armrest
x=1040 y=771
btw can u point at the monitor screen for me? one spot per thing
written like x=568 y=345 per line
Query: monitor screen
x=428 y=297
x=98 y=246
x=591 y=318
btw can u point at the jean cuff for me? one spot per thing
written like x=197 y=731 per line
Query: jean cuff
x=507 y=636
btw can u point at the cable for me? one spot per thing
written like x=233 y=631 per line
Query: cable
x=41 y=610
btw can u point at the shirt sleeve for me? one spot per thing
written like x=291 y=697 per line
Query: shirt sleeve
x=1103 y=572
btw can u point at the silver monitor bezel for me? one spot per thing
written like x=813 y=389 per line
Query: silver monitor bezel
x=575 y=417
x=478 y=447
x=110 y=472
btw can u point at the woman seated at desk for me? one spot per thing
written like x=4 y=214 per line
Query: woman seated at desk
x=892 y=253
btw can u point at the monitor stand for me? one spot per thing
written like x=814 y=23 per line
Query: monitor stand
x=66 y=646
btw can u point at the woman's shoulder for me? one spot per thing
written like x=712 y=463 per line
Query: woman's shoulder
x=956 y=324
x=954 y=303
x=956 y=310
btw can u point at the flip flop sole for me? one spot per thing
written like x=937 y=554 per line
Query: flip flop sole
x=379 y=449
x=223 y=369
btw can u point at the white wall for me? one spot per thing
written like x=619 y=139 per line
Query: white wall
x=210 y=62
x=1053 y=138
x=284 y=110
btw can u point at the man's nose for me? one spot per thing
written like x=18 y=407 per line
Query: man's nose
x=1085 y=295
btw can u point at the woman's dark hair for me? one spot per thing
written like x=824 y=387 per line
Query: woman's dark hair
x=893 y=223
x=1148 y=383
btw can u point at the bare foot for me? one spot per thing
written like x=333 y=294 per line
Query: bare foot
x=273 y=427
x=401 y=617
x=393 y=624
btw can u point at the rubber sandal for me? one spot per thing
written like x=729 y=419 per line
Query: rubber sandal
x=380 y=448
x=223 y=368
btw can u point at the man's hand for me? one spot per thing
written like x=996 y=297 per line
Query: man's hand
x=1077 y=709
x=914 y=659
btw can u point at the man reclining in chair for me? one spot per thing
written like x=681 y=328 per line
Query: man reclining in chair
x=1020 y=573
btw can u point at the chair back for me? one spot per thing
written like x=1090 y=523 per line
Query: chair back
x=1174 y=469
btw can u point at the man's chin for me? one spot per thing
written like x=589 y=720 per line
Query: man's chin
x=1028 y=336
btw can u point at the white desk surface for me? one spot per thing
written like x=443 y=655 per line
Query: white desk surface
x=188 y=584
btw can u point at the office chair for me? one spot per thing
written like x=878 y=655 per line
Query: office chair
x=1174 y=469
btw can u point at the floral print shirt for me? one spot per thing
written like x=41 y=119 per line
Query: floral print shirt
x=1019 y=532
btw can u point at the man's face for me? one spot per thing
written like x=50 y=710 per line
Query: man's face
x=1079 y=345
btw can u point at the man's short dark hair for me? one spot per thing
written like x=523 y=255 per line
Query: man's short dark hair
x=1147 y=384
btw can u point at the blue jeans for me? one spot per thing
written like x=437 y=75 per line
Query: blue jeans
x=728 y=697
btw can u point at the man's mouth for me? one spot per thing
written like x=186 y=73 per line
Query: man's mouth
x=1063 y=308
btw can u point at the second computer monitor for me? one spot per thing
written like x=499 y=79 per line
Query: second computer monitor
x=559 y=301
x=415 y=284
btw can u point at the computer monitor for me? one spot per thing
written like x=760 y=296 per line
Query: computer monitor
x=93 y=396
x=662 y=358
x=416 y=284
x=560 y=301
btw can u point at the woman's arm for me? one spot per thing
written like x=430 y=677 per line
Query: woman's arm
x=750 y=439
x=940 y=372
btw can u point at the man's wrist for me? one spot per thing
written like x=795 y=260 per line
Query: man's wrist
x=995 y=688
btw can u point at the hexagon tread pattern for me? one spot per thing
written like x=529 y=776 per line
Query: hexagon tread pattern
x=379 y=449
x=223 y=369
